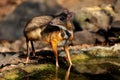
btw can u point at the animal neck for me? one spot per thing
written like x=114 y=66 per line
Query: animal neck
x=69 y=25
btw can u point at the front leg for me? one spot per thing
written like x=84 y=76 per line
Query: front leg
x=66 y=48
x=54 y=47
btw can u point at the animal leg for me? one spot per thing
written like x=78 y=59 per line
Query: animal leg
x=33 y=49
x=28 y=53
x=54 y=47
x=66 y=48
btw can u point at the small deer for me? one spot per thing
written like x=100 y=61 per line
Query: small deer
x=53 y=30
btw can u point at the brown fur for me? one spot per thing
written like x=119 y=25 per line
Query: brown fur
x=39 y=29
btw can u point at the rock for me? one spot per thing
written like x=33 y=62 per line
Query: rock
x=25 y=10
x=94 y=18
x=82 y=37
x=115 y=24
x=77 y=4
x=9 y=58
x=96 y=60
x=2 y=3
x=97 y=66
x=99 y=51
x=15 y=22
x=96 y=51
x=117 y=6
x=7 y=6
x=114 y=32
x=86 y=37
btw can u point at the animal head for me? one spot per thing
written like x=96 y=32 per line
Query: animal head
x=62 y=18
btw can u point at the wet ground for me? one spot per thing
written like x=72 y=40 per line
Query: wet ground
x=88 y=69
x=95 y=63
x=94 y=69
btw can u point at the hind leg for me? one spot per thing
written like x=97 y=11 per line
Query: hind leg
x=33 y=49
x=28 y=52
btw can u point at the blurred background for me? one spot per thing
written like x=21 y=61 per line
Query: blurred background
x=95 y=21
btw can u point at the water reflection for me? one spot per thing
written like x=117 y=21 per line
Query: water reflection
x=66 y=75
x=92 y=69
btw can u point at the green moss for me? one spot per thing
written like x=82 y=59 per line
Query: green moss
x=31 y=68
x=79 y=57
x=38 y=72
x=27 y=71
x=13 y=74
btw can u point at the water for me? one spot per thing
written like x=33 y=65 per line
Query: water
x=92 y=69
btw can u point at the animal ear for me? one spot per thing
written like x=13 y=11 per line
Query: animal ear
x=70 y=15
x=51 y=23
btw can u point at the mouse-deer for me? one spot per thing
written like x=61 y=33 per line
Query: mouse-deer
x=55 y=31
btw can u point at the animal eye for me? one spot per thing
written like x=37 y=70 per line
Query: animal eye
x=62 y=18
